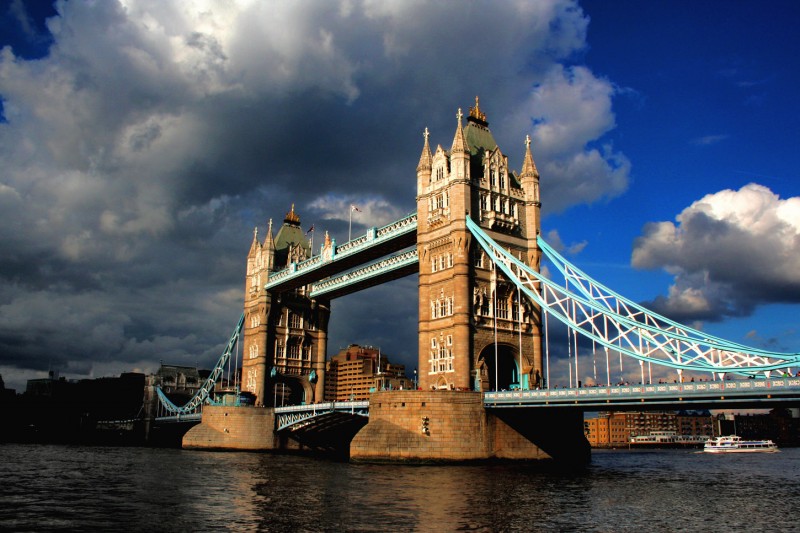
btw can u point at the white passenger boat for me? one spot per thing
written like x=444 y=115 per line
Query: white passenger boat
x=735 y=444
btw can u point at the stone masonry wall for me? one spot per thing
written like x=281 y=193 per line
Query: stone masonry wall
x=458 y=429
x=233 y=428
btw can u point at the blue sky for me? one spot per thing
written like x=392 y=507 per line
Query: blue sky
x=141 y=143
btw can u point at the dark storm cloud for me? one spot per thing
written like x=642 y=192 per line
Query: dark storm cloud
x=139 y=154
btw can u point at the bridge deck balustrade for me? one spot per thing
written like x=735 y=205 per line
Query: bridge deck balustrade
x=666 y=395
x=377 y=242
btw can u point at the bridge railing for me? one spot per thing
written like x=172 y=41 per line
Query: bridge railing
x=369 y=271
x=752 y=388
x=371 y=238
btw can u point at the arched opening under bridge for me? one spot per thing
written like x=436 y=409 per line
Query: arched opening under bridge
x=290 y=390
x=507 y=374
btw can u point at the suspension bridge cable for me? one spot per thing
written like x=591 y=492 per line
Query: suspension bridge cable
x=675 y=346
x=202 y=395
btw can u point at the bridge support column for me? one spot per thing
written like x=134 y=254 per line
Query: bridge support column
x=454 y=426
x=323 y=315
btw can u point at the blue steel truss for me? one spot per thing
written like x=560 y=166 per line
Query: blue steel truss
x=296 y=416
x=203 y=395
x=374 y=237
x=593 y=311
x=357 y=276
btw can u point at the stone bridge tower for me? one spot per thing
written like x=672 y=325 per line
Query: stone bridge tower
x=284 y=335
x=474 y=332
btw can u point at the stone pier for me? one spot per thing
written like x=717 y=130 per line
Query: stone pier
x=454 y=426
x=413 y=427
x=233 y=428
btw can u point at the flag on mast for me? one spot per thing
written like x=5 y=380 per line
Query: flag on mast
x=310 y=230
x=354 y=208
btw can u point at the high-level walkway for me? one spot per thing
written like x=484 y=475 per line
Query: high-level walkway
x=368 y=260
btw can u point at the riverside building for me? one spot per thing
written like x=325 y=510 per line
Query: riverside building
x=358 y=370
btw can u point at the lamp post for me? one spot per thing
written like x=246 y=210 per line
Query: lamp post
x=415 y=378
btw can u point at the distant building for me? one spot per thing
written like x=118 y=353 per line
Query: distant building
x=605 y=431
x=6 y=395
x=780 y=425
x=695 y=423
x=356 y=370
x=613 y=430
x=56 y=409
x=179 y=383
x=51 y=386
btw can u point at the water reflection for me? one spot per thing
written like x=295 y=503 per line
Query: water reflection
x=70 y=488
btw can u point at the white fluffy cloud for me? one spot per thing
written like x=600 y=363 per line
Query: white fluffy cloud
x=570 y=109
x=729 y=252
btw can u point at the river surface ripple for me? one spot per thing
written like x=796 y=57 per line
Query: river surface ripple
x=45 y=488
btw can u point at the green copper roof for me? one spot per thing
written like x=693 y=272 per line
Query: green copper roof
x=290 y=234
x=478 y=138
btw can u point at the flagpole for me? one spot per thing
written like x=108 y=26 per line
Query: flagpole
x=494 y=320
x=350 y=226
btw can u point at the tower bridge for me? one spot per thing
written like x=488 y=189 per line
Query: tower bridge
x=486 y=318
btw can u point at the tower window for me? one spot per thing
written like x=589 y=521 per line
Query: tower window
x=502 y=308
x=294 y=351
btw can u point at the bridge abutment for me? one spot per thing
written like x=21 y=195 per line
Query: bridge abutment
x=454 y=426
x=233 y=428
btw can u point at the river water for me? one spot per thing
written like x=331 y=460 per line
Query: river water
x=45 y=488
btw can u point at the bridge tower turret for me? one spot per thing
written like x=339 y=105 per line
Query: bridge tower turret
x=285 y=334
x=475 y=332
x=260 y=260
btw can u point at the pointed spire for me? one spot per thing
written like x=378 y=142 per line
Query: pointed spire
x=425 y=159
x=268 y=240
x=528 y=166
x=459 y=142
x=255 y=245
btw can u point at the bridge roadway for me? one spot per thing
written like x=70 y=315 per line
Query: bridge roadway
x=356 y=254
x=749 y=393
